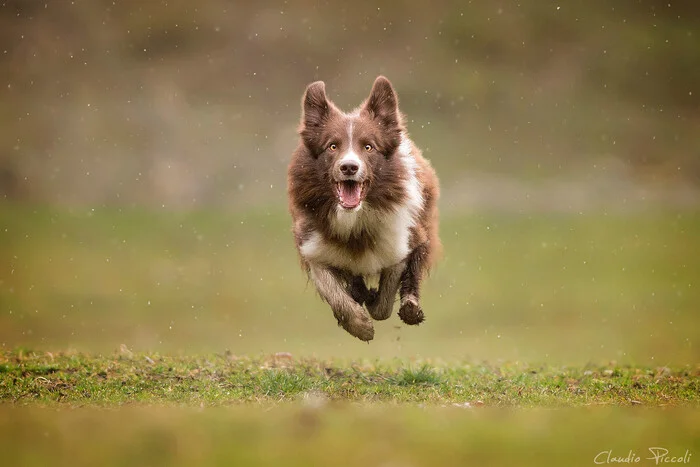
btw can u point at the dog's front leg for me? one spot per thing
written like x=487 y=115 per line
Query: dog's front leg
x=350 y=315
x=410 y=310
x=381 y=306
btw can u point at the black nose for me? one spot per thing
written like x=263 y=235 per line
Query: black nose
x=349 y=168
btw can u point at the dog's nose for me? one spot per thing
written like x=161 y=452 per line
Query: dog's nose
x=349 y=168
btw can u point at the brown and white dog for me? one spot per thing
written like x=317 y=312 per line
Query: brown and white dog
x=364 y=204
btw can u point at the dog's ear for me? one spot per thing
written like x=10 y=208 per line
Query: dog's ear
x=383 y=104
x=316 y=108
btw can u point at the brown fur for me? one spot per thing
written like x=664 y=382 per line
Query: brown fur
x=343 y=246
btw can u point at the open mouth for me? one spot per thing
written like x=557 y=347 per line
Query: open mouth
x=350 y=193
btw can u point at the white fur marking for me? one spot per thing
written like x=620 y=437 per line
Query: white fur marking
x=351 y=156
x=383 y=254
x=407 y=214
x=346 y=220
x=414 y=190
x=410 y=298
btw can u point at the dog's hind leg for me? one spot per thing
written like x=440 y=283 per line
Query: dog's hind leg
x=410 y=311
x=381 y=305
x=350 y=315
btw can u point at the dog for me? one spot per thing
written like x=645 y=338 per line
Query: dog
x=363 y=202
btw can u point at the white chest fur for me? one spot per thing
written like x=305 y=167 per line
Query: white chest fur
x=389 y=247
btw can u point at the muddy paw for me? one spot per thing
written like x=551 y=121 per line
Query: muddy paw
x=359 y=326
x=410 y=311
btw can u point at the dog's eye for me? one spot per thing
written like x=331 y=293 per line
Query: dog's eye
x=368 y=148
x=333 y=147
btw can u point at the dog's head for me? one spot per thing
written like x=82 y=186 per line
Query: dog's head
x=353 y=155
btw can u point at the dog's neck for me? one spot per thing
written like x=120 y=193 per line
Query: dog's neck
x=351 y=222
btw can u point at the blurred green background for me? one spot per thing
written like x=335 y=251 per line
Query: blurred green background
x=143 y=152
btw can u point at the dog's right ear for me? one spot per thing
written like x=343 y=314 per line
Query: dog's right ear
x=316 y=110
x=382 y=103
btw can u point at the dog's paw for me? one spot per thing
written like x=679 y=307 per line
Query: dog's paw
x=359 y=325
x=410 y=311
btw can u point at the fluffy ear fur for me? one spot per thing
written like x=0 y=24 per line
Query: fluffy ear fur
x=382 y=106
x=316 y=110
x=382 y=103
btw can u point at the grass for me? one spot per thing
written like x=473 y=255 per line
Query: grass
x=29 y=378
x=340 y=434
x=228 y=410
x=568 y=289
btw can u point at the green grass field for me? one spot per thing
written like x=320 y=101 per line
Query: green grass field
x=219 y=409
x=76 y=379
x=342 y=434
x=558 y=288
x=131 y=337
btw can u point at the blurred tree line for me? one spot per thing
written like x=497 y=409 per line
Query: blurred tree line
x=187 y=103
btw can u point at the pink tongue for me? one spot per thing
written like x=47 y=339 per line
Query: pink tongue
x=350 y=194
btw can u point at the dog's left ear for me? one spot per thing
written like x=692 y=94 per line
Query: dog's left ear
x=382 y=103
